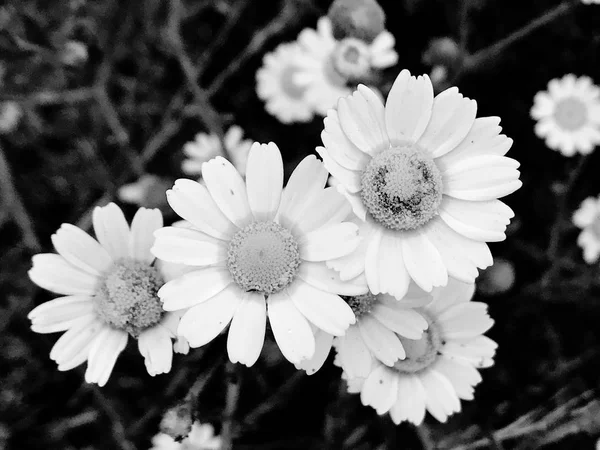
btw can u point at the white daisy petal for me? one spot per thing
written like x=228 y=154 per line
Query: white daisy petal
x=61 y=313
x=247 y=331
x=423 y=261
x=291 y=330
x=192 y=202
x=452 y=117
x=406 y=322
x=203 y=322
x=342 y=150
x=454 y=293
x=383 y=343
x=227 y=188
x=329 y=242
x=410 y=402
x=354 y=355
x=408 y=107
x=326 y=311
x=187 y=246
x=386 y=271
x=112 y=230
x=466 y=320
x=481 y=221
x=349 y=178
x=323 y=341
x=81 y=250
x=463 y=376
x=380 y=390
x=73 y=347
x=362 y=118
x=478 y=352
x=353 y=264
x=54 y=273
x=329 y=206
x=144 y=224
x=318 y=275
x=264 y=180
x=104 y=351
x=194 y=287
x=441 y=399
x=155 y=346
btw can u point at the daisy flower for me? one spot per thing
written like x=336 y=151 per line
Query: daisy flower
x=207 y=146
x=424 y=175
x=591 y=2
x=568 y=115
x=277 y=83
x=331 y=64
x=201 y=437
x=587 y=217
x=262 y=252
x=379 y=321
x=440 y=368
x=109 y=287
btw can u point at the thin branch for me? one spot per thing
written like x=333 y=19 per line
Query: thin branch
x=12 y=201
x=51 y=97
x=233 y=378
x=118 y=430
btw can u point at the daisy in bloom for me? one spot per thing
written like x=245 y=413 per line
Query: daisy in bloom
x=568 y=115
x=423 y=175
x=262 y=251
x=587 y=217
x=109 y=287
x=379 y=321
x=440 y=368
x=278 y=83
x=201 y=437
x=207 y=146
x=331 y=64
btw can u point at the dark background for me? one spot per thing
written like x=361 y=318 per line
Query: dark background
x=89 y=128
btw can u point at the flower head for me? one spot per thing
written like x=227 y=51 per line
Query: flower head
x=279 y=82
x=440 y=368
x=207 y=146
x=110 y=287
x=568 y=115
x=201 y=437
x=587 y=217
x=261 y=250
x=331 y=64
x=424 y=176
x=362 y=19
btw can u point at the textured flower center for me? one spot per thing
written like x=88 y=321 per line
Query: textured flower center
x=288 y=84
x=361 y=304
x=263 y=257
x=126 y=296
x=570 y=114
x=351 y=59
x=420 y=353
x=402 y=188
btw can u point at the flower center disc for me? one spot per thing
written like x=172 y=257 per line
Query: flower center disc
x=263 y=257
x=288 y=84
x=126 y=296
x=420 y=353
x=361 y=304
x=570 y=114
x=402 y=188
x=351 y=59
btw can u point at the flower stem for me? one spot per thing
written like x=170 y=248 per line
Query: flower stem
x=233 y=377
x=482 y=57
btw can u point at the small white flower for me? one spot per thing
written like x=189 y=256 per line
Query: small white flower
x=262 y=251
x=201 y=437
x=424 y=175
x=568 y=115
x=279 y=82
x=440 y=368
x=591 y=2
x=587 y=217
x=207 y=146
x=110 y=287
x=331 y=65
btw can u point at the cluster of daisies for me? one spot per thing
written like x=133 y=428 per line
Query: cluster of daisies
x=568 y=118
x=381 y=265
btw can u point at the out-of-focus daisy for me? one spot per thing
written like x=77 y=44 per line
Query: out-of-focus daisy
x=362 y=19
x=592 y=2
x=440 y=369
x=262 y=251
x=424 y=174
x=498 y=278
x=587 y=217
x=330 y=65
x=379 y=321
x=568 y=115
x=207 y=146
x=201 y=437
x=148 y=190
x=110 y=287
x=278 y=84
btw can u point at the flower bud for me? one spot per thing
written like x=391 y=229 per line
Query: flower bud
x=361 y=19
